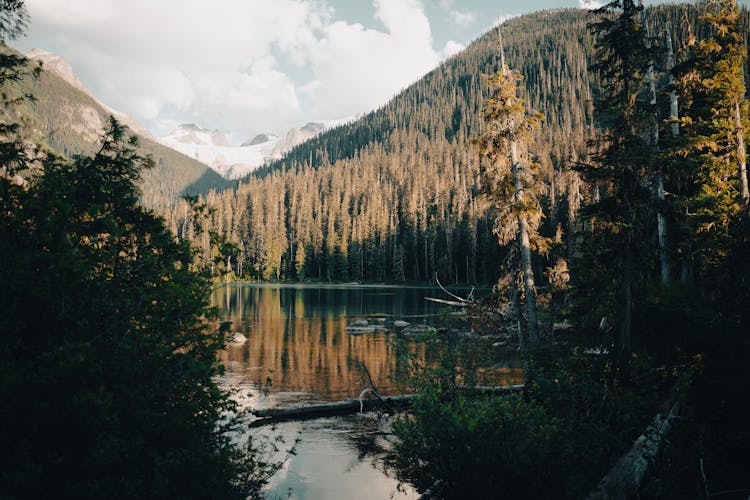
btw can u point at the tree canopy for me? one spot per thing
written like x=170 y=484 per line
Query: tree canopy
x=107 y=356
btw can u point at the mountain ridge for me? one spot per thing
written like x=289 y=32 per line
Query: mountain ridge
x=69 y=120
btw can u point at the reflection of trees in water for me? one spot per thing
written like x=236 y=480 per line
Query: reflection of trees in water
x=297 y=338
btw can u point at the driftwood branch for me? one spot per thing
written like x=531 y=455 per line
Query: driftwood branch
x=447 y=302
x=354 y=405
x=460 y=299
x=625 y=478
x=304 y=412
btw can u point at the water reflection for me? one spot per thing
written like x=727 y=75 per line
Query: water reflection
x=329 y=464
x=298 y=350
x=297 y=340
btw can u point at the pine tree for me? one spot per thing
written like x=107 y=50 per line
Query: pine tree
x=715 y=132
x=511 y=177
x=623 y=162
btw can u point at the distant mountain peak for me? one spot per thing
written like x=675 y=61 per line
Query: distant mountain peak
x=58 y=65
x=212 y=148
x=62 y=68
x=259 y=139
x=313 y=127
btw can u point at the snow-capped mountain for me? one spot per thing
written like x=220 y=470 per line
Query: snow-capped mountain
x=296 y=136
x=212 y=148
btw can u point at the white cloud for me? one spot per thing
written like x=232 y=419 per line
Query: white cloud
x=250 y=66
x=357 y=69
x=589 y=4
x=463 y=17
x=451 y=48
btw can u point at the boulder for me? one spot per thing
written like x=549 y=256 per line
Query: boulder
x=237 y=338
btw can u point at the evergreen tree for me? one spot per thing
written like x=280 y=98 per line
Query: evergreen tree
x=511 y=179
x=714 y=127
x=106 y=367
x=621 y=168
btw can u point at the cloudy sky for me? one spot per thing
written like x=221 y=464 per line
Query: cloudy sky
x=252 y=66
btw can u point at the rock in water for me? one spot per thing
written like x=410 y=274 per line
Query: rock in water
x=361 y=326
x=237 y=338
x=417 y=330
x=400 y=323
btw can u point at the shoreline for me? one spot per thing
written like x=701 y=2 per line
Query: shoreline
x=345 y=285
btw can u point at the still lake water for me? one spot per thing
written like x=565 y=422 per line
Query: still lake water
x=298 y=350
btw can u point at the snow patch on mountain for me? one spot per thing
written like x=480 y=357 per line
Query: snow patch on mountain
x=212 y=148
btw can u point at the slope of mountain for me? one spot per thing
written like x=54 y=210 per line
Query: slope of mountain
x=68 y=120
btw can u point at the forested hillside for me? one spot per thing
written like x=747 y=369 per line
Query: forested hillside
x=591 y=165
x=71 y=122
x=397 y=195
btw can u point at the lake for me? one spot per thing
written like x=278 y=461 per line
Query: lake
x=298 y=350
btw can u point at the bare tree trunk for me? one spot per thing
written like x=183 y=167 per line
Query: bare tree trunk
x=574 y=202
x=625 y=478
x=661 y=220
x=741 y=154
x=674 y=115
x=515 y=298
x=674 y=112
x=661 y=228
x=626 y=308
x=525 y=249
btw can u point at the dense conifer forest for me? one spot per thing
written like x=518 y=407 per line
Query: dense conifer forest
x=399 y=195
x=591 y=165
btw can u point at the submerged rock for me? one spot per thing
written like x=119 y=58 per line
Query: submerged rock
x=360 y=330
x=416 y=330
x=362 y=326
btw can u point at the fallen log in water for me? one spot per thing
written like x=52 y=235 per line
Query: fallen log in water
x=625 y=478
x=447 y=302
x=354 y=405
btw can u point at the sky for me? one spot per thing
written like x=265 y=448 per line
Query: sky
x=256 y=66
